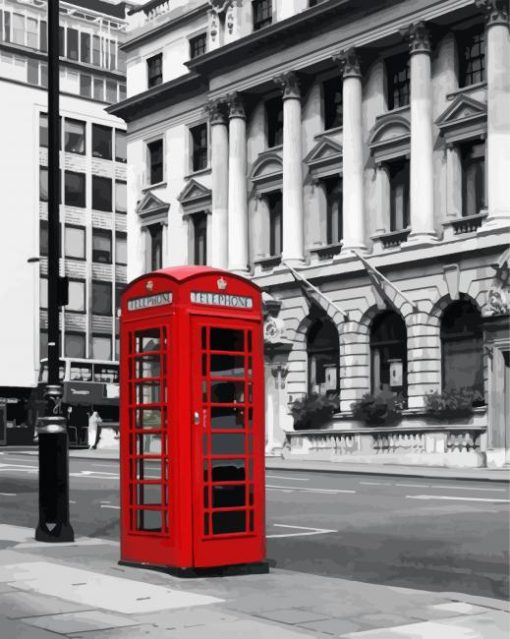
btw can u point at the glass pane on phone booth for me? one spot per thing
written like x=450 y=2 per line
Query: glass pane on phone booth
x=224 y=365
x=148 y=431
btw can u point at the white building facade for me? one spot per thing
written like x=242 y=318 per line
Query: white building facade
x=368 y=149
x=93 y=193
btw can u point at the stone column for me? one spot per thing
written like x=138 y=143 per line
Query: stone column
x=237 y=188
x=422 y=168
x=352 y=143
x=219 y=163
x=292 y=198
x=498 y=111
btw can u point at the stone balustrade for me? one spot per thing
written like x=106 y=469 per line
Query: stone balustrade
x=449 y=445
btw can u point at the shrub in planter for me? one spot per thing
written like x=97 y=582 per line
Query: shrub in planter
x=313 y=411
x=380 y=408
x=456 y=403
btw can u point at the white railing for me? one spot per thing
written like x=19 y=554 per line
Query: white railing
x=435 y=445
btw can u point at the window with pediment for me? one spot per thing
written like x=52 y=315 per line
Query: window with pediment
x=398 y=171
x=334 y=214
x=274 y=204
x=473 y=177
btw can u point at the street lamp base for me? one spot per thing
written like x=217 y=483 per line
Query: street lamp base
x=58 y=534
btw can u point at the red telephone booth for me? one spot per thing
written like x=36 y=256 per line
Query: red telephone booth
x=192 y=422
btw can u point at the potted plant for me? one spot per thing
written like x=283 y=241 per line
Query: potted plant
x=455 y=403
x=384 y=407
x=313 y=410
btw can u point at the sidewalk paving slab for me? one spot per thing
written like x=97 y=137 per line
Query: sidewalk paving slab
x=280 y=605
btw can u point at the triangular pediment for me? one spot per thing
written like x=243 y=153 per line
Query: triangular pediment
x=194 y=192
x=325 y=149
x=461 y=109
x=267 y=164
x=151 y=203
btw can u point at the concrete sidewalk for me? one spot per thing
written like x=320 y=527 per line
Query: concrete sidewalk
x=277 y=463
x=79 y=591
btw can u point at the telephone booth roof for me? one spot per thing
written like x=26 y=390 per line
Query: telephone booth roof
x=181 y=279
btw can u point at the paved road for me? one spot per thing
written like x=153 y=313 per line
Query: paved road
x=434 y=534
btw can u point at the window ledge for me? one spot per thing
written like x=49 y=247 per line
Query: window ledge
x=268 y=262
x=326 y=132
x=467 y=89
x=193 y=174
x=326 y=250
x=462 y=225
x=397 y=110
x=157 y=185
x=392 y=239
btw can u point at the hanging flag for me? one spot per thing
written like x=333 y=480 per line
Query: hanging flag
x=382 y=284
x=311 y=292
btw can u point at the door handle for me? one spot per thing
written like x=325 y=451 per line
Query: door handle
x=196 y=418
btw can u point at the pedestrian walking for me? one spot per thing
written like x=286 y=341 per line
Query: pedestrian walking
x=95 y=422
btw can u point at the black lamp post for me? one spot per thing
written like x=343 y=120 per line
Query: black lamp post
x=53 y=523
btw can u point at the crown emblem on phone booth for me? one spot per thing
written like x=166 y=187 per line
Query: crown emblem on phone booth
x=222 y=284
x=150 y=285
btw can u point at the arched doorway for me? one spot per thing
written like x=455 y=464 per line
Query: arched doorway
x=323 y=349
x=462 y=347
x=388 y=353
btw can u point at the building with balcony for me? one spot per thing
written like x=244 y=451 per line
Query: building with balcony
x=364 y=147
x=93 y=192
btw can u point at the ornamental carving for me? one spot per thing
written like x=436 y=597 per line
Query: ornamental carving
x=496 y=11
x=217 y=111
x=289 y=82
x=236 y=106
x=218 y=6
x=498 y=303
x=418 y=37
x=274 y=330
x=349 y=61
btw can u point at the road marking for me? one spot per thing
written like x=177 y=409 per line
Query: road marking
x=109 y=506
x=314 y=490
x=102 y=465
x=71 y=501
x=374 y=483
x=17 y=466
x=454 y=498
x=414 y=485
x=309 y=531
x=8 y=494
x=500 y=490
x=285 y=477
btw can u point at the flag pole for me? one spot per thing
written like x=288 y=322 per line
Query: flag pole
x=298 y=276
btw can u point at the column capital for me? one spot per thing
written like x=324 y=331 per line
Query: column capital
x=496 y=11
x=236 y=105
x=217 y=111
x=418 y=36
x=289 y=83
x=350 y=63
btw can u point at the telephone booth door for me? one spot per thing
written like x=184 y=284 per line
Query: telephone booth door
x=146 y=447
x=227 y=442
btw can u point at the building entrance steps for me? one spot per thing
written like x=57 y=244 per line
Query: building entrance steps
x=79 y=591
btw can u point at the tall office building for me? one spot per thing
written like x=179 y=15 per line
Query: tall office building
x=365 y=145
x=93 y=192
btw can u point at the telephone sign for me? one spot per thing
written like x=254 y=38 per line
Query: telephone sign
x=192 y=422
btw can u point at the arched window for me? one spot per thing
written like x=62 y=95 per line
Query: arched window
x=323 y=348
x=388 y=349
x=462 y=347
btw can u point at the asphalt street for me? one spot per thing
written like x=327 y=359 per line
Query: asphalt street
x=443 y=535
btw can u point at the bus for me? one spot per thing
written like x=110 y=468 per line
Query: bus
x=88 y=385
